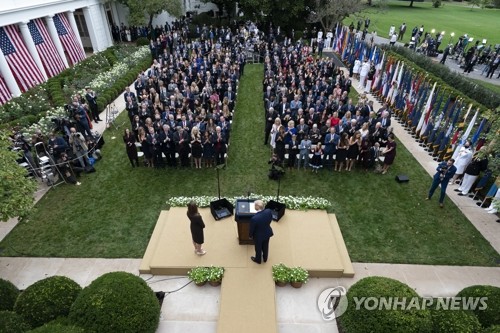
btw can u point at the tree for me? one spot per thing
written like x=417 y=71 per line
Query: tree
x=140 y=10
x=331 y=12
x=283 y=13
x=228 y=5
x=16 y=190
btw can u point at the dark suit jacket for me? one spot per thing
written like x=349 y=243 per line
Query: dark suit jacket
x=260 y=225
x=450 y=172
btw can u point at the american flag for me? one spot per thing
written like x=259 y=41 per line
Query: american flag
x=19 y=59
x=46 y=49
x=68 y=39
x=4 y=92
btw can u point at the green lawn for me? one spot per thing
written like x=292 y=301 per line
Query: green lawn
x=112 y=214
x=451 y=17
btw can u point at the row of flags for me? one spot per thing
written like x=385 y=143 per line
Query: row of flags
x=434 y=115
x=21 y=62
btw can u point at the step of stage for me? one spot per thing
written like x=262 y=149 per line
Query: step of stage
x=342 y=248
x=145 y=268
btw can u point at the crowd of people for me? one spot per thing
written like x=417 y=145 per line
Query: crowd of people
x=183 y=106
x=310 y=120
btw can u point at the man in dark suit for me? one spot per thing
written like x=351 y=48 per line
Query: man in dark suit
x=261 y=231
x=128 y=93
x=91 y=98
x=445 y=172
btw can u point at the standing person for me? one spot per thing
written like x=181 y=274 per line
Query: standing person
x=261 y=231
x=129 y=139
x=462 y=161
x=91 y=98
x=445 y=171
x=479 y=163
x=446 y=52
x=196 y=227
x=196 y=146
x=389 y=153
x=394 y=38
x=392 y=30
x=402 y=30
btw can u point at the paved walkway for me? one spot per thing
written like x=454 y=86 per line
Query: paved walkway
x=192 y=309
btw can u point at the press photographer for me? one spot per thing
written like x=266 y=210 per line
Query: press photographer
x=276 y=170
x=79 y=146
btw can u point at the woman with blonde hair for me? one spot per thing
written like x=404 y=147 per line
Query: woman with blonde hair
x=196 y=147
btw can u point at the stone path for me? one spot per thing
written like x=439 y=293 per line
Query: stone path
x=192 y=309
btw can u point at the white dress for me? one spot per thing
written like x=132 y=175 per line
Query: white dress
x=274 y=130
x=463 y=159
x=357 y=64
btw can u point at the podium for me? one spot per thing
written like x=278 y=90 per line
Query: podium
x=245 y=210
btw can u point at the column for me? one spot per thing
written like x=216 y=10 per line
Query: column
x=72 y=22
x=107 y=25
x=55 y=38
x=10 y=81
x=91 y=28
x=30 y=44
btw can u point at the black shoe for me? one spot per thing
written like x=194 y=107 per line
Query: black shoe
x=456 y=190
x=265 y=260
x=461 y=194
x=255 y=260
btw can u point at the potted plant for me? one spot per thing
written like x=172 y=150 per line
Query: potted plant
x=281 y=275
x=298 y=276
x=199 y=275
x=215 y=275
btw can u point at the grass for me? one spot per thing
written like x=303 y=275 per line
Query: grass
x=451 y=17
x=112 y=214
x=491 y=86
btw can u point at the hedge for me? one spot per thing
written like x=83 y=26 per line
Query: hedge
x=491 y=315
x=8 y=295
x=58 y=326
x=492 y=329
x=117 y=302
x=455 y=321
x=397 y=320
x=11 y=322
x=47 y=300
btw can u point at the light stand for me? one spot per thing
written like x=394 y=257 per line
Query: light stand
x=220 y=208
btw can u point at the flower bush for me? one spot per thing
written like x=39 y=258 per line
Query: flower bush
x=215 y=273
x=298 y=274
x=199 y=274
x=291 y=202
x=281 y=273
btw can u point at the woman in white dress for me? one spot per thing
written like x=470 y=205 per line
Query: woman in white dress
x=274 y=130
x=355 y=69
x=462 y=160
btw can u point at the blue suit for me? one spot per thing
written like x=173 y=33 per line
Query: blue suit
x=442 y=176
x=261 y=231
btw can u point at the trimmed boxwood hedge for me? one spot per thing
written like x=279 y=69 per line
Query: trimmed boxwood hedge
x=11 y=322
x=455 y=321
x=491 y=315
x=382 y=321
x=47 y=300
x=8 y=295
x=117 y=302
x=492 y=329
x=57 y=327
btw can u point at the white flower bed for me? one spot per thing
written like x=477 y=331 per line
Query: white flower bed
x=291 y=202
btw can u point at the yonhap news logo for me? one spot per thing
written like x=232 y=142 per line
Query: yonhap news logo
x=332 y=303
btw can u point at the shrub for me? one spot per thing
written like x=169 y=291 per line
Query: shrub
x=363 y=320
x=8 y=295
x=453 y=321
x=47 y=299
x=281 y=273
x=491 y=315
x=61 y=325
x=11 y=322
x=199 y=275
x=116 y=302
x=141 y=41
x=492 y=329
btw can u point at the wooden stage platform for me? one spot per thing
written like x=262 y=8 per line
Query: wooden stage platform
x=310 y=239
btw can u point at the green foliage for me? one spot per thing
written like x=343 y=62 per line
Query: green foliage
x=328 y=13
x=47 y=300
x=142 y=9
x=117 y=302
x=16 y=190
x=11 y=322
x=436 y=3
x=492 y=329
x=141 y=41
x=298 y=274
x=215 y=273
x=380 y=321
x=198 y=274
x=61 y=325
x=281 y=273
x=491 y=315
x=8 y=295
x=454 y=321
